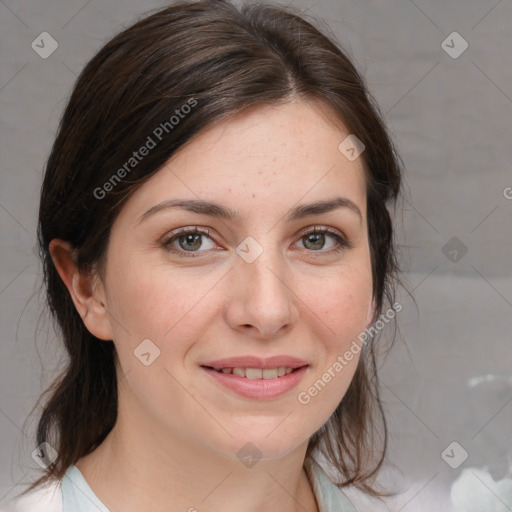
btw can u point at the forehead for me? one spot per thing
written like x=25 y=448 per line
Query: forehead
x=272 y=155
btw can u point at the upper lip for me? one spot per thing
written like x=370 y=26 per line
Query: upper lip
x=256 y=362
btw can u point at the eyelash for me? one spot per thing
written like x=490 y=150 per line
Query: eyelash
x=341 y=242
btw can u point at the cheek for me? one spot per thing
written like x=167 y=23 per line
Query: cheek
x=154 y=299
x=339 y=313
x=340 y=304
x=338 y=308
x=171 y=308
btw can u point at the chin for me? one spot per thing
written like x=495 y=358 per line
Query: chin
x=255 y=443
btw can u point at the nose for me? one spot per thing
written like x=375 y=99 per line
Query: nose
x=261 y=300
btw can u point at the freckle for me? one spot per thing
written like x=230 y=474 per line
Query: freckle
x=254 y=195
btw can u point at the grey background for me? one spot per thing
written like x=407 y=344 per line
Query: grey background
x=451 y=119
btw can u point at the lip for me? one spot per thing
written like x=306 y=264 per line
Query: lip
x=257 y=362
x=258 y=388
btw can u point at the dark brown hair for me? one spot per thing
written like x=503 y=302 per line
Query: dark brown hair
x=219 y=60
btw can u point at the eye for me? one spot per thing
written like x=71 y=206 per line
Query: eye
x=188 y=240
x=314 y=239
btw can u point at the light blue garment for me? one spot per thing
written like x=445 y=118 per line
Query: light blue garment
x=77 y=496
x=329 y=497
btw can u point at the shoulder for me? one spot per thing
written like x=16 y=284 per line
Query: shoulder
x=47 y=498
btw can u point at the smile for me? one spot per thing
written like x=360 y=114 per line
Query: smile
x=256 y=383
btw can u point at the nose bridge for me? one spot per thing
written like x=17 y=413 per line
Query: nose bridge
x=260 y=280
x=263 y=267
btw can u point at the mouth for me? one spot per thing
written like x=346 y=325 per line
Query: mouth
x=255 y=378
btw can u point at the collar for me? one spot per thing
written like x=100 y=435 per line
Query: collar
x=330 y=497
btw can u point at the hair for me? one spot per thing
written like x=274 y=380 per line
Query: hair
x=200 y=62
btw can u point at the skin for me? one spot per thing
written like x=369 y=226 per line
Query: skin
x=178 y=432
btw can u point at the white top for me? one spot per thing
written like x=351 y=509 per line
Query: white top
x=73 y=494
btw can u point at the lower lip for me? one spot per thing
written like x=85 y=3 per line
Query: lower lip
x=258 y=388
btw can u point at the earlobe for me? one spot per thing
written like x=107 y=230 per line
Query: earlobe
x=89 y=302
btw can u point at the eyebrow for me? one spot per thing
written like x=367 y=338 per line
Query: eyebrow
x=222 y=212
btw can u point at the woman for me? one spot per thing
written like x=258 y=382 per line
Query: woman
x=216 y=244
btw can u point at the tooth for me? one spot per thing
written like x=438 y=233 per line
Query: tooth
x=254 y=373
x=239 y=371
x=258 y=373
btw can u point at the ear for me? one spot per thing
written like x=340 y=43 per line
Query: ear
x=370 y=315
x=86 y=290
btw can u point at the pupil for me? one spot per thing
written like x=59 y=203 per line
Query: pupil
x=188 y=239
x=316 y=237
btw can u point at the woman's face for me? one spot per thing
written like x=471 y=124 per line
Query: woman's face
x=255 y=285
